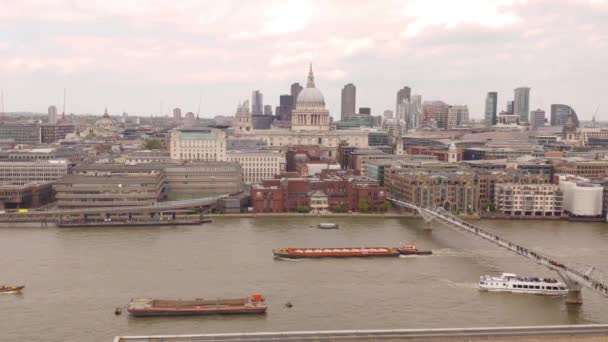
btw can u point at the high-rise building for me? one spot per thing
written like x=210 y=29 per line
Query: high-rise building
x=257 y=103
x=435 y=113
x=457 y=116
x=414 y=111
x=510 y=105
x=177 y=114
x=521 y=103
x=388 y=114
x=267 y=110
x=296 y=88
x=559 y=115
x=403 y=93
x=52 y=115
x=491 y=107
x=537 y=118
x=349 y=99
x=285 y=107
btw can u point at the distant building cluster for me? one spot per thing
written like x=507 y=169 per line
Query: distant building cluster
x=517 y=162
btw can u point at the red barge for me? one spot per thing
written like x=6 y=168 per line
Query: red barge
x=340 y=252
x=167 y=307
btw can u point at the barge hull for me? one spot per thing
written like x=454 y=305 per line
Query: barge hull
x=197 y=312
x=298 y=256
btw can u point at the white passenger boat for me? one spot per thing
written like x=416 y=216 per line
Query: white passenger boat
x=509 y=282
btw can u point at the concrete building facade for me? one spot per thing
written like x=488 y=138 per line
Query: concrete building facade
x=114 y=186
x=24 y=172
x=203 y=179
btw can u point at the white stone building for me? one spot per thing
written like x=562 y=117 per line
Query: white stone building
x=528 y=199
x=258 y=165
x=198 y=144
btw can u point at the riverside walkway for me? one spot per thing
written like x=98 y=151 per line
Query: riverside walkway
x=558 y=333
x=574 y=277
x=50 y=215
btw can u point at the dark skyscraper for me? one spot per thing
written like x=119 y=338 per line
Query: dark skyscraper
x=365 y=111
x=285 y=107
x=349 y=99
x=403 y=93
x=491 y=107
x=521 y=103
x=257 y=103
x=295 y=90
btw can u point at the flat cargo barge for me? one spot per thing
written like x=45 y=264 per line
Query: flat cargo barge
x=340 y=252
x=167 y=307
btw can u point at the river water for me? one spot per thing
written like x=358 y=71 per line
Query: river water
x=76 y=277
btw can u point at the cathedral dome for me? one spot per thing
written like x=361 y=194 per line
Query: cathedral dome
x=310 y=96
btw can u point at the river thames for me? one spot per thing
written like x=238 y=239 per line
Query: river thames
x=76 y=277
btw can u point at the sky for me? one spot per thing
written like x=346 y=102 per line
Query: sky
x=140 y=56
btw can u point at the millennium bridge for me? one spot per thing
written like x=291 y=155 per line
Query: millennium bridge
x=574 y=277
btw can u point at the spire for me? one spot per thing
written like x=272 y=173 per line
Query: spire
x=311 y=78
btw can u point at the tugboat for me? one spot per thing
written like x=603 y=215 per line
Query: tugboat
x=11 y=289
x=328 y=226
x=339 y=252
x=410 y=249
x=167 y=307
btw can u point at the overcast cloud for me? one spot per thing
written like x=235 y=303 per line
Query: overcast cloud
x=131 y=54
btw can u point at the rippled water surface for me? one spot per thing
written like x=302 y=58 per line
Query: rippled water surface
x=76 y=277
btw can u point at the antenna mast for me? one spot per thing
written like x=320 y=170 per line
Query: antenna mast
x=63 y=111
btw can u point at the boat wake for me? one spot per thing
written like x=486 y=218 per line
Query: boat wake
x=448 y=252
x=413 y=256
x=459 y=285
x=288 y=259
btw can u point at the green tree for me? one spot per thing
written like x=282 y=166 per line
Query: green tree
x=152 y=144
x=339 y=209
x=303 y=209
x=363 y=205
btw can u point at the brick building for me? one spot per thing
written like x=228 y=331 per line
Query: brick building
x=337 y=191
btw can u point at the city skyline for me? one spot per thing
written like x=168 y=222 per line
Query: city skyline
x=108 y=54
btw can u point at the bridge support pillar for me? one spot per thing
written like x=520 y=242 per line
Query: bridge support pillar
x=574 y=295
